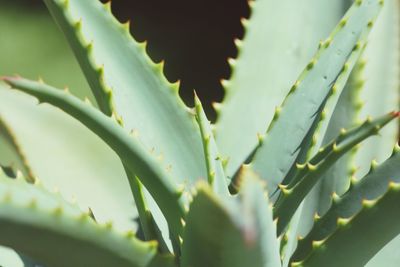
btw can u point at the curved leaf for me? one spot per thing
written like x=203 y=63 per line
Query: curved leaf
x=120 y=72
x=215 y=170
x=293 y=194
x=56 y=233
x=11 y=152
x=68 y=157
x=280 y=37
x=381 y=91
x=379 y=218
x=135 y=157
x=231 y=232
x=279 y=149
x=371 y=187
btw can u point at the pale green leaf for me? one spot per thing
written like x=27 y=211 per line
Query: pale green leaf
x=280 y=38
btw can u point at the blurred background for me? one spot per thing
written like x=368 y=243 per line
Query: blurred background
x=195 y=38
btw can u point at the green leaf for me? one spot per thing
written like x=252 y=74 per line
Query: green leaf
x=135 y=157
x=69 y=158
x=68 y=237
x=215 y=170
x=231 y=232
x=383 y=72
x=8 y=257
x=388 y=256
x=14 y=154
x=381 y=90
x=293 y=194
x=337 y=177
x=277 y=45
x=33 y=46
x=371 y=187
x=293 y=120
x=377 y=223
x=124 y=78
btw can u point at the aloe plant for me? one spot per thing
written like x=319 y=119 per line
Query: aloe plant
x=279 y=180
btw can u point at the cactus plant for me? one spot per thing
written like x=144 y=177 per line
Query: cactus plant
x=279 y=180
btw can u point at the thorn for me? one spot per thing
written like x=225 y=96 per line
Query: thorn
x=7 y=196
x=225 y=83
x=374 y=164
x=244 y=21
x=238 y=42
x=335 y=197
x=32 y=203
x=334 y=89
x=394 y=186
x=343 y=22
x=176 y=85
x=231 y=62
x=65 y=3
x=108 y=225
x=129 y=234
x=327 y=42
x=78 y=24
x=260 y=138
x=90 y=214
x=316 y=244
x=335 y=147
x=107 y=6
x=20 y=176
x=87 y=101
x=368 y=203
x=311 y=167
x=300 y=166
x=278 y=110
x=295 y=86
x=395 y=113
x=58 y=210
x=353 y=181
x=341 y=222
x=126 y=25
x=217 y=106
x=83 y=216
x=311 y=64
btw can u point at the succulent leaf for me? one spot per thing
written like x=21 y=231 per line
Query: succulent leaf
x=381 y=90
x=260 y=80
x=337 y=178
x=119 y=70
x=154 y=177
x=279 y=150
x=306 y=179
x=216 y=175
x=368 y=230
x=68 y=157
x=9 y=257
x=231 y=232
x=371 y=187
x=10 y=140
x=29 y=213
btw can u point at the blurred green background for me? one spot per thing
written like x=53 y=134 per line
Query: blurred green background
x=31 y=45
